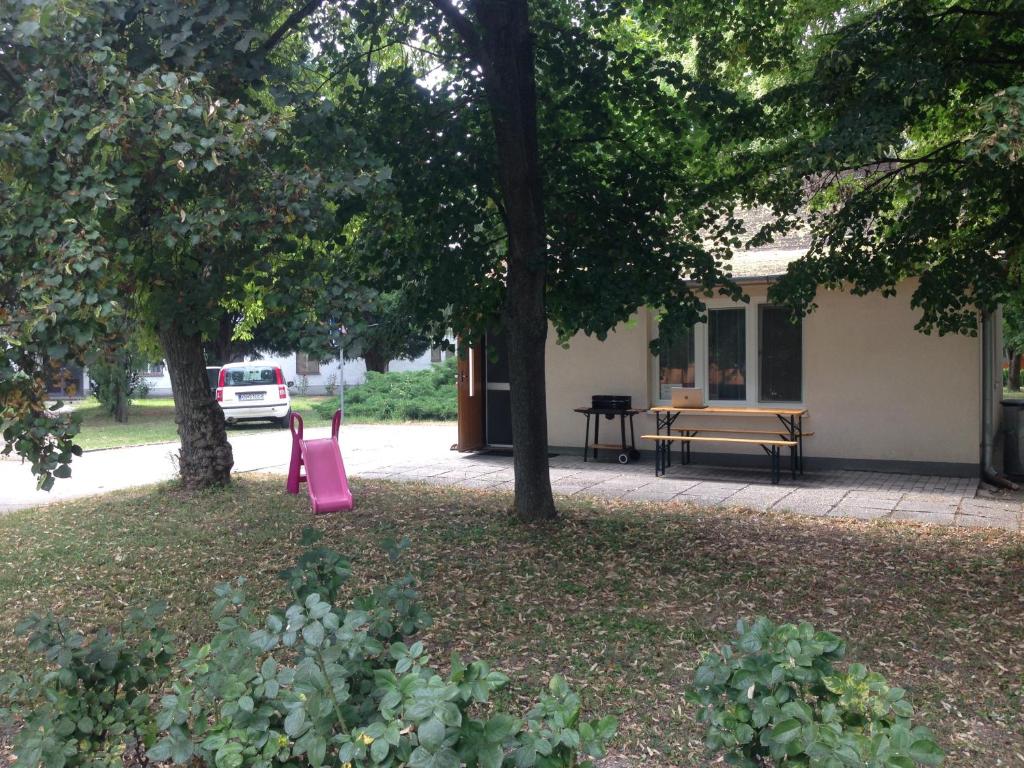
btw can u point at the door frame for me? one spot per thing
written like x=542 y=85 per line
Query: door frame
x=471 y=396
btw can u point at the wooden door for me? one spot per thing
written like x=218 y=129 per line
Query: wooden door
x=471 y=399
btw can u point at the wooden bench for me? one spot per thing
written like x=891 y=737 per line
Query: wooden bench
x=692 y=431
x=773 y=447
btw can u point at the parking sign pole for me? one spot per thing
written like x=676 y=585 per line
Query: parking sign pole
x=341 y=375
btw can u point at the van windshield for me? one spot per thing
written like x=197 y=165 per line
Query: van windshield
x=249 y=377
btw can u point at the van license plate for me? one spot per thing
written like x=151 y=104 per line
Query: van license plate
x=250 y=395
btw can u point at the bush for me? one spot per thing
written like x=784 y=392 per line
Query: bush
x=427 y=395
x=90 y=702
x=315 y=684
x=114 y=384
x=776 y=699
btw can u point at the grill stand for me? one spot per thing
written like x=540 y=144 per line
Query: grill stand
x=627 y=452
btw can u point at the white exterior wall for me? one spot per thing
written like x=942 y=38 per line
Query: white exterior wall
x=355 y=373
x=875 y=388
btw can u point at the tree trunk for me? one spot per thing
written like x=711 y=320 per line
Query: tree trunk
x=1014 y=376
x=375 y=362
x=205 y=459
x=507 y=61
x=121 y=403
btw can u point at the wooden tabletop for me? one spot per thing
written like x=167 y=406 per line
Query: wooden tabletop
x=731 y=410
x=610 y=411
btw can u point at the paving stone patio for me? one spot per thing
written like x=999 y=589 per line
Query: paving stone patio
x=835 y=493
x=402 y=452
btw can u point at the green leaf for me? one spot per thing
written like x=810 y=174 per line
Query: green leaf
x=317 y=751
x=491 y=756
x=313 y=633
x=379 y=750
x=786 y=731
x=295 y=722
x=431 y=734
x=926 y=752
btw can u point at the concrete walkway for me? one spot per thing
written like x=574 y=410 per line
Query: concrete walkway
x=422 y=453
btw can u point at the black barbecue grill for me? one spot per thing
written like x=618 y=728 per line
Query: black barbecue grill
x=610 y=406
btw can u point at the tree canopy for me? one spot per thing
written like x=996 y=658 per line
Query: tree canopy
x=275 y=168
x=896 y=131
x=143 y=176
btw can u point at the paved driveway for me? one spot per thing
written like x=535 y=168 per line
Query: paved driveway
x=422 y=453
x=259 y=448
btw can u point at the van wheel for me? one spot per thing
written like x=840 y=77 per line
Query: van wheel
x=283 y=421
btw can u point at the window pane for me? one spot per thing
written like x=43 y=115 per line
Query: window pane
x=247 y=377
x=781 y=356
x=676 y=361
x=727 y=354
x=304 y=366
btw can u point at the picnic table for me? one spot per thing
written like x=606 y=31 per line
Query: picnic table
x=789 y=433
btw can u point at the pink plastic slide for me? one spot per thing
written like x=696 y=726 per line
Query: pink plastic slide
x=325 y=477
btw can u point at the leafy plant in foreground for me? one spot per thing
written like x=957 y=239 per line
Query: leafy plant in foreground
x=91 y=700
x=776 y=699
x=315 y=684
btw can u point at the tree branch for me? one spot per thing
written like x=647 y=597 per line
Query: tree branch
x=461 y=24
x=293 y=20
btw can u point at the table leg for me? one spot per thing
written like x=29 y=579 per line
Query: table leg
x=800 y=447
x=795 y=431
x=586 y=439
x=597 y=433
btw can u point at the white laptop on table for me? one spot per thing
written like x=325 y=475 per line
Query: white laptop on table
x=688 y=397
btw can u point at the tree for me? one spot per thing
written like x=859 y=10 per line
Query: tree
x=389 y=332
x=1013 y=338
x=115 y=368
x=144 y=175
x=896 y=130
x=551 y=163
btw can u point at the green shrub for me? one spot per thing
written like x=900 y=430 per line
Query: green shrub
x=427 y=395
x=90 y=701
x=776 y=699
x=315 y=684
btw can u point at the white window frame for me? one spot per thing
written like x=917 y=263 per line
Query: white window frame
x=753 y=360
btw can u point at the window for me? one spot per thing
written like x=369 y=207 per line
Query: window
x=740 y=355
x=677 y=360
x=781 y=355
x=727 y=354
x=306 y=367
x=248 y=377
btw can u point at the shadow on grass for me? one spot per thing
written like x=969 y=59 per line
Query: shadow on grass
x=620 y=598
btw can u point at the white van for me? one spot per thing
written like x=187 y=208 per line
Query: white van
x=250 y=391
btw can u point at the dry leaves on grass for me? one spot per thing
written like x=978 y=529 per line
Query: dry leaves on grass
x=622 y=599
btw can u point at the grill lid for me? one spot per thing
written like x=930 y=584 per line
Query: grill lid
x=611 y=402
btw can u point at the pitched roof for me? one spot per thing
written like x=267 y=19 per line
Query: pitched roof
x=762 y=262
x=768 y=260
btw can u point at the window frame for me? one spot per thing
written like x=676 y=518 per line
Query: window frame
x=759 y=312
x=752 y=330
x=303 y=364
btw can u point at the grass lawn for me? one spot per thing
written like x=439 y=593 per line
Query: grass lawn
x=151 y=420
x=620 y=598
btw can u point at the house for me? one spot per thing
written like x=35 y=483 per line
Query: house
x=879 y=394
x=69 y=381
x=308 y=376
